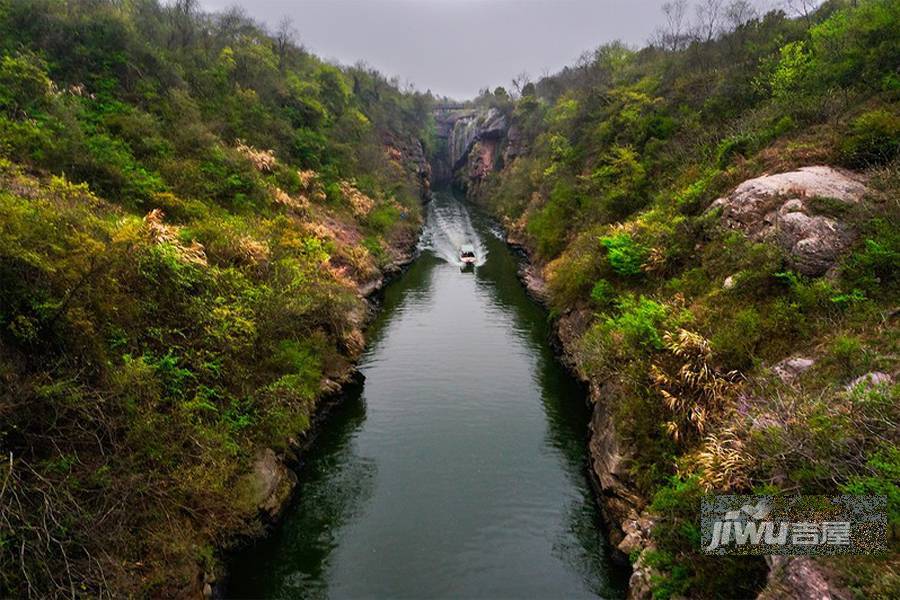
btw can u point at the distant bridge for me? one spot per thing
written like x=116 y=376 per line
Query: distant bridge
x=450 y=107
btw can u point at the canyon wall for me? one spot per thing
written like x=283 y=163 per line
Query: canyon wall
x=471 y=144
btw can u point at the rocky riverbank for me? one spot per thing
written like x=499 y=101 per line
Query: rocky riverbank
x=779 y=209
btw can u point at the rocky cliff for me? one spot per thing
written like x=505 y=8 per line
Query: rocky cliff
x=481 y=125
x=409 y=155
x=471 y=144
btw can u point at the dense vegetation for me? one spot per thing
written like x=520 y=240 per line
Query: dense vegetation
x=188 y=205
x=621 y=156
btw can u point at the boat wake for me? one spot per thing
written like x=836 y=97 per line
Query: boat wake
x=447 y=227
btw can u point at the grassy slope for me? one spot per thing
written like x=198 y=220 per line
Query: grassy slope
x=145 y=356
x=625 y=153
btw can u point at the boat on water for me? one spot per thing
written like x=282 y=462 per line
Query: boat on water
x=467 y=255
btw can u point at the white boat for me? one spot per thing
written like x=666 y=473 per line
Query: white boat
x=467 y=254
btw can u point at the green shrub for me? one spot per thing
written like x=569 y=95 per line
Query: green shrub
x=855 y=47
x=810 y=296
x=24 y=85
x=166 y=272
x=115 y=172
x=550 y=225
x=570 y=277
x=850 y=298
x=638 y=321
x=753 y=265
x=624 y=254
x=873 y=268
x=873 y=139
x=685 y=570
x=783 y=125
x=848 y=353
x=737 y=339
x=617 y=185
x=694 y=197
x=602 y=294
x=791 y=75
x=309 y=148
x=175 y=380
x=739 y=145
x=383 y=217
x=882 y=479
x=376 y=249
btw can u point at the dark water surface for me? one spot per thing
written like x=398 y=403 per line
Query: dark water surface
x=459 y=469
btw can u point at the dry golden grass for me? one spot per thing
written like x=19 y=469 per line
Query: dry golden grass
x=298 y=204
x=160 y=233
x=695 y=392
x=360 y=204
x=263 y=160
x=722 y=462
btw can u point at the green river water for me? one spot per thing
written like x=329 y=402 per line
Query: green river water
x=459 y=468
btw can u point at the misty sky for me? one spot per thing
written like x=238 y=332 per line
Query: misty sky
x=456 y=47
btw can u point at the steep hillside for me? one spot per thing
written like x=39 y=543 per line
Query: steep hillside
x=191 y=211
x=713 y=220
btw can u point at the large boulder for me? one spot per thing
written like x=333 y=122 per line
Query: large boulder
x=800 y=577
x=271 y=484
x=784 y=209
x=870 y=380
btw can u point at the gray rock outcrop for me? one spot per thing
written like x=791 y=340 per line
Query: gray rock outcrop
x=610 y=459
x=271 y=484
x=870 y=380
x=791 y=368
x=781 y=209
x=799 y=577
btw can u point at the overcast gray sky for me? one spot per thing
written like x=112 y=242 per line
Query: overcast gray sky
x=456 y=47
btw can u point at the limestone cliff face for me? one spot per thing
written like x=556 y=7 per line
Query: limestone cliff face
x=486 y=125
x=471 y=143
x=610 y=454
x=445 y=119
x=481 y=160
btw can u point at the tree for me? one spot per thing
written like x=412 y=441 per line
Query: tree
x=738 y=13
x=803 y=8
x=232 y=23
x=284 y=39
x=709 y=20
x=672 y=35
x=183 y=14
x=519 y=83
x=333 y=89
x=736 y=16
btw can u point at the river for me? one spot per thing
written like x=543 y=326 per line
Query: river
x=459 y=467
